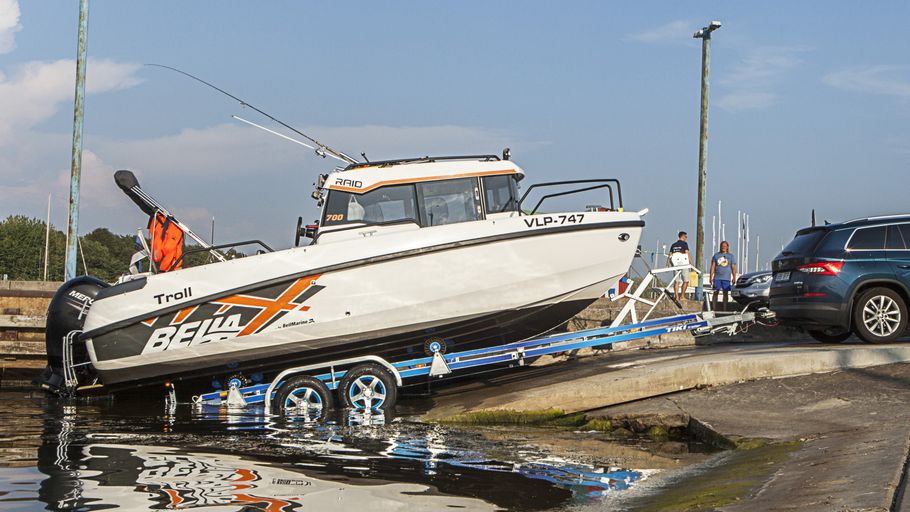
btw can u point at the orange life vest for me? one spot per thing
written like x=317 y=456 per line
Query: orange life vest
x=167 y=243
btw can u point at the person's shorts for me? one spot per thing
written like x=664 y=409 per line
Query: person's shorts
x=721 y=285
x=682 y=277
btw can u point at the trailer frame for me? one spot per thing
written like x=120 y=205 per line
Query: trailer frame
x=440 y=364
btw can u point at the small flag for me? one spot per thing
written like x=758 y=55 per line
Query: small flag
x=138 y=256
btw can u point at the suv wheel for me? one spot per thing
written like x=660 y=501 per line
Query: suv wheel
x=880 y=315
x=830 y=335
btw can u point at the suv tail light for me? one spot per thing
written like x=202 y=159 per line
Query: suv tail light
x=822 y=268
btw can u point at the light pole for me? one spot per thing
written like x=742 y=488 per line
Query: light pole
x=705 y=35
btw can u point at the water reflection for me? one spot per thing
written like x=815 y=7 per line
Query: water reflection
x=94 y=457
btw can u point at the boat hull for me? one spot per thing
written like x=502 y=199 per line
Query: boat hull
x=471 y=293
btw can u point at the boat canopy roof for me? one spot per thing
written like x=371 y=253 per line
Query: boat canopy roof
x=362 y=178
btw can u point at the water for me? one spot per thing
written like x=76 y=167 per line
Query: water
x=137 y=456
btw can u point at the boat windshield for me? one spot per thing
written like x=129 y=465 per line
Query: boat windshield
x=383 y=205
x=449 y=201
x=433 y=203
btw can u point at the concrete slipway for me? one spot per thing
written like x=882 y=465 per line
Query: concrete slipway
x=595 y=382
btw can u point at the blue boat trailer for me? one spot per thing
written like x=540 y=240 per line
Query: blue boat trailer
x=370 y=381
x=514 y=354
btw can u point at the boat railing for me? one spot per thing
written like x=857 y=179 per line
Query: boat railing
x=423 y=159
x=222 y=246
x=593 y=185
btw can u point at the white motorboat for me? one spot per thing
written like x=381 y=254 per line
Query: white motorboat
x=407 y=253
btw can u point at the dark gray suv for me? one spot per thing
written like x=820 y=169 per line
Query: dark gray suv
x=852 y=277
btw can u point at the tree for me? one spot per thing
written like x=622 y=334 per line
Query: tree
x=106 y=254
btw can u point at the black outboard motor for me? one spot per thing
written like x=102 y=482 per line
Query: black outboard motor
x=66 y=313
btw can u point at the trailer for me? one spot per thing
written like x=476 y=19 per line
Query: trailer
x=371 y=382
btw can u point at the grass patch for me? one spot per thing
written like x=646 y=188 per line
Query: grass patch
x=506 y=417
x=729 y=482
x=749 y=443
x=599 y=424
x=570 y=421
x=658 y=433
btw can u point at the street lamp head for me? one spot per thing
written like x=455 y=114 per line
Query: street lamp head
x=705 y=33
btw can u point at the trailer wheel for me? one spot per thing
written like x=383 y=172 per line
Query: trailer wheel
x=302 y=395
x=368 y=386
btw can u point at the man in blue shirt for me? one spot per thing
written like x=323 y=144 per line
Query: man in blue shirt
x=679 y=256
x=723 y=273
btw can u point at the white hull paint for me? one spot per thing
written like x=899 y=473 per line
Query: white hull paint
x=386 y=280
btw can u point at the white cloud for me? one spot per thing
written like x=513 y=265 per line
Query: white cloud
x=9 y=25
x=750 y=83
x=746 y=101
x=34 y=91
x=228 y=149
x=677 y=31
x=882 y=79
x=240 y=175
x=763 y=65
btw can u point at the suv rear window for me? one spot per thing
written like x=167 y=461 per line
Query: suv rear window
x=868 y=239
x=804 y=242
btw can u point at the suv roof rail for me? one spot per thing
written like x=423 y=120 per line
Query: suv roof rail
x=879 y=217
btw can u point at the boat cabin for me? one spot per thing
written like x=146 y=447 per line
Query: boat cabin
x=426 y=192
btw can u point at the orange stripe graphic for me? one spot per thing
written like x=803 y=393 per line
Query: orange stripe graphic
x=426 y=178
x=270 y=307
x=181 y=316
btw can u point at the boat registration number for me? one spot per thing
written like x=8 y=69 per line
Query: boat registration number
x=539 y=221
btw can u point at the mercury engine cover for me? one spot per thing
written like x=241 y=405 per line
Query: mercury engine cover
x=66 y=313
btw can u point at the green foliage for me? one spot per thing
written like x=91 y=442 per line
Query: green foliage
x=506 y=417
x=22 y=249
x=107 y=255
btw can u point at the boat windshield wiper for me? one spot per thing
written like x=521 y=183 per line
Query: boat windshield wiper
x=321 y=149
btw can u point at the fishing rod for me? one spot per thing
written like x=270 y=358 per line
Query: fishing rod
x=320 y=149
x=273 y=132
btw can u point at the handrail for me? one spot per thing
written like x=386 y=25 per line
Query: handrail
x=386 y=163
x=222 y=246
x=604 y=184
x=542 y=199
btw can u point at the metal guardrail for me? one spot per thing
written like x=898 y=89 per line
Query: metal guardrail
x=597 y=184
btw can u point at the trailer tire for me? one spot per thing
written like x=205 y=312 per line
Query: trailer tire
x=368 y=385
x=301 y=391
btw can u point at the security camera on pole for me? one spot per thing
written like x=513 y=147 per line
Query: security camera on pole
x=705 y=35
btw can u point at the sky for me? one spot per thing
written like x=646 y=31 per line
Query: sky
x=810 y=103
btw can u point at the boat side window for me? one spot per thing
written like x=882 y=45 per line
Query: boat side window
x=385 y=204
x=501 y=193
x=449 y=201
